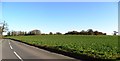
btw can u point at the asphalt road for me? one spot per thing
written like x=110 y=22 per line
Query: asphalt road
x=17 y=51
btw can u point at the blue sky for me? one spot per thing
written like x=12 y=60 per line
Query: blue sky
x=59 y=0
x=61 y=16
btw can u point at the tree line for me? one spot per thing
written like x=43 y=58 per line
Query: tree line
x=83 y=32
x=38 y=32
x=4 y=28
x=21 y=33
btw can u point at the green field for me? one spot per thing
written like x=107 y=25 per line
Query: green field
x=105 y=47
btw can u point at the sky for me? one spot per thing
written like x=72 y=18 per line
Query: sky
x=59 y=0
x=61 y=16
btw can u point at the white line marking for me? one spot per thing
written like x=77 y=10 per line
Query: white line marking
x=11 y=47
x=15 y=52
x=9 y=42
x=18 y=56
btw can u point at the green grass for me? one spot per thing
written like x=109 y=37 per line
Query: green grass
x=105 y=47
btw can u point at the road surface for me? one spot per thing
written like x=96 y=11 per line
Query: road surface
x=17 y=51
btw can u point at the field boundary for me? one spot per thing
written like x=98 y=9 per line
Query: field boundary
x=74 y=55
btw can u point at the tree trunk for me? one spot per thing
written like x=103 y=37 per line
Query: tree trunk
x=1 y=36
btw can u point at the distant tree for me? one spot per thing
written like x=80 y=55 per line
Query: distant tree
x=90 y=32
x=50 y=33
x=34 y=32
x=25 y=33
x=21 y=33
x=58 y=33
x=83 y=32
x=115 y=32
x=9 y=33
x=73 y=33
x=43 y=34
x=96 y=33
x=100 y=33
x=104 y=34
x=14 y=33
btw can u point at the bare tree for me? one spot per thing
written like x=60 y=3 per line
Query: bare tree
x=3 y=28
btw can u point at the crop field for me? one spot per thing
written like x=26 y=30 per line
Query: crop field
x=104 y=47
